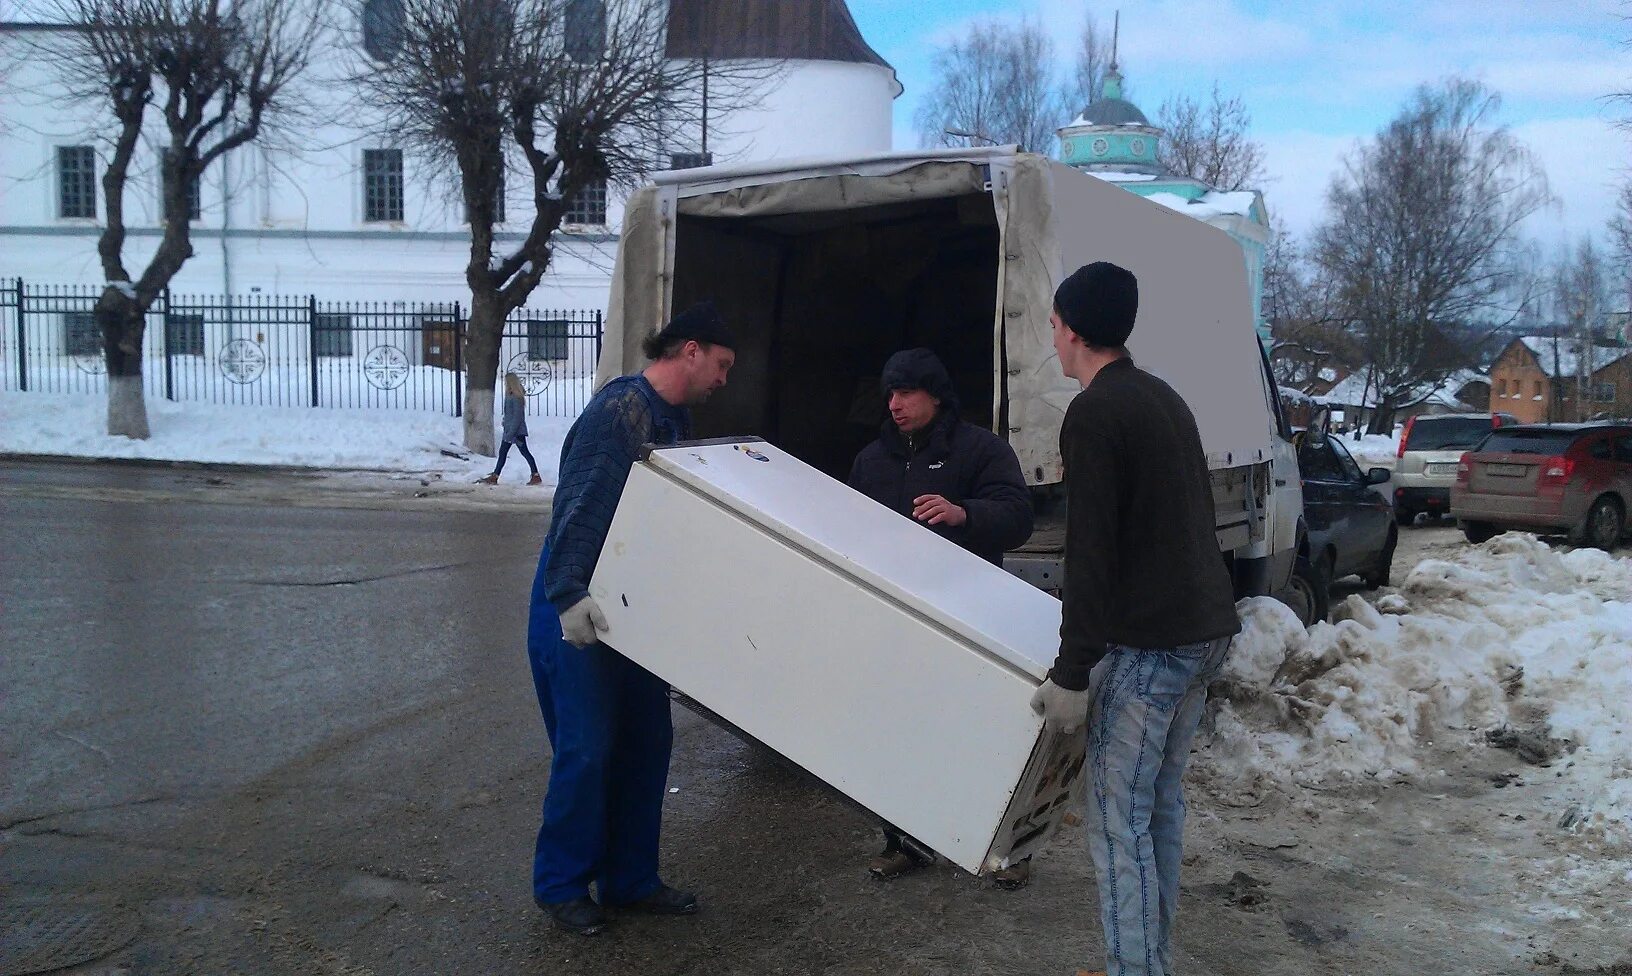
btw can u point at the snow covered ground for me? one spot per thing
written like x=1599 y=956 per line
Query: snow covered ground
x=393 y=440
x=1510 y=644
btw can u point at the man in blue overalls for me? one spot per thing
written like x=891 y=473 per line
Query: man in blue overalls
x=608 y=718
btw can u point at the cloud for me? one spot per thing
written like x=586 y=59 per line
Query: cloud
x=1192 y=34
x=1585 y=159
x=1301 y=165
x=1319 y=77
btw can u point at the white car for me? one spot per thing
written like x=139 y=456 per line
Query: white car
x=1430 y=448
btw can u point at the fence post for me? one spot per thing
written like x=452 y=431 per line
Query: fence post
x=600 y=333
x=458 y=362
x=169 y=359
x=311 y=328
x=22 y=338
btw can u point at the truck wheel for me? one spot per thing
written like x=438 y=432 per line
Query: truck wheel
x=1378 y=576
x=1309 y=592
x=1477 y=532
x=1602 y=527
x=1405 y=517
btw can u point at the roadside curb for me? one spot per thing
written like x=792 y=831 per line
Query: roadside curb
x=229 y=467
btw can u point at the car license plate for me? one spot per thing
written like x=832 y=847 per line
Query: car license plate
x=1448 y=467
x=1505 y=470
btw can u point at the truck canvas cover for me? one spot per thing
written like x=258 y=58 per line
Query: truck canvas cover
x=1194 y=330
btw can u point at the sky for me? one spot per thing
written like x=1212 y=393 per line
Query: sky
x=1320 y=76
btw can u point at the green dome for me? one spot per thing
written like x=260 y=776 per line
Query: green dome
x=1113 y=111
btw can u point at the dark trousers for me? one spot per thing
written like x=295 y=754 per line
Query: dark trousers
x=521 y=445
x=610 y=735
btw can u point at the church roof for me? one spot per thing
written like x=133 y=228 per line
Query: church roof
x=1112 y=111
x=801 y=30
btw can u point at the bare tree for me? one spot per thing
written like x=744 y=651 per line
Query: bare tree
x=1580 y=304
x=1421 y=238
x=1086 y=82
x=1210 y=142
x=574 y=94
x=1620 y=245
x=1306 y=339
x=994 y=85
x=212 y=76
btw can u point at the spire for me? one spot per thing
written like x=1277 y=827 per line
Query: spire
x=1116 y=34
x=1113 y=77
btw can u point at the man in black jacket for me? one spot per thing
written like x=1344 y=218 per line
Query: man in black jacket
x=961 y=481
x=1147 y=591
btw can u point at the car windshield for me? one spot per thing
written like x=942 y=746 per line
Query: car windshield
x=1446 y=433
x=1523 y=440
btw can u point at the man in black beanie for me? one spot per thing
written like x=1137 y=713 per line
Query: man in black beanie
x=962 y=482
x=1147 y=592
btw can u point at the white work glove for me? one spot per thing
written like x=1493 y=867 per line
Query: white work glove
x=583 y=623
x=1062 y=710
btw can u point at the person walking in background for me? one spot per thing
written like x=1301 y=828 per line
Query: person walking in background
x=515 y=430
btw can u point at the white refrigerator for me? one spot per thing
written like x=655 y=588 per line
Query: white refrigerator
x=886 y=661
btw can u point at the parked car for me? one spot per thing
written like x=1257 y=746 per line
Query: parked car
x=1350 y=522
x=1430 y=447
x=1561 y=478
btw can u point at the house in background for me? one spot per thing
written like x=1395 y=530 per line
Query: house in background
x=1543 y=379
x=1465 y=391
x=348 y=215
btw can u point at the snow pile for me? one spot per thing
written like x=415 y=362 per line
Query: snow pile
x=358 y=439
x=1214 y=203
x=1512 y=635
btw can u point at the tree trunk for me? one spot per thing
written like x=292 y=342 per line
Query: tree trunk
x=122 y=322
x=1382 y=419
x=483 y=335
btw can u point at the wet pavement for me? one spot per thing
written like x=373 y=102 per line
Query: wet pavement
x=267 y=734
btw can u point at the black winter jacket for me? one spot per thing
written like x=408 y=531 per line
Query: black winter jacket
x=1142 y=566
x=967 y=465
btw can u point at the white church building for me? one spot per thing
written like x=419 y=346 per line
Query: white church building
x=346 y=214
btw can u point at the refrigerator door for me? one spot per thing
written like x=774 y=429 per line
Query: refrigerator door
x=888 y=662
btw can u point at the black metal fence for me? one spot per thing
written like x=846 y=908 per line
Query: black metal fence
x=294 y=350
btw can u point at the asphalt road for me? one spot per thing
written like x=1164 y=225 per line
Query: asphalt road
x=248 y=731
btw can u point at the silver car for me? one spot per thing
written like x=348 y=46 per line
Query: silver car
x=1430 y=447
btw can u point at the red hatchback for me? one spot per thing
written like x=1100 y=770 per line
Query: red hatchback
x=1561 y=478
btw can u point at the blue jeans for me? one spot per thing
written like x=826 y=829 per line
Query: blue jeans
x=610 y=735
x=1143 y=717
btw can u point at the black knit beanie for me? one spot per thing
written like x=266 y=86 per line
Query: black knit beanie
x=918 y=369
x=701 y=322
x=1099 y=302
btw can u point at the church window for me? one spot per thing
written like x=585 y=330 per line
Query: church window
x=382 y=185
x=587 y=205
x=76 y=181
x=586 y=30
x=1101 y=146
x=80 y=335
x=382 y=28
x=690 y=160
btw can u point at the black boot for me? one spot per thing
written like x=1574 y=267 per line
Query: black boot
x=663 y=901
x=581 y=915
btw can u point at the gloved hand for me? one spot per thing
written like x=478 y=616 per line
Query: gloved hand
x=1062 y=709
x=583 y=623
